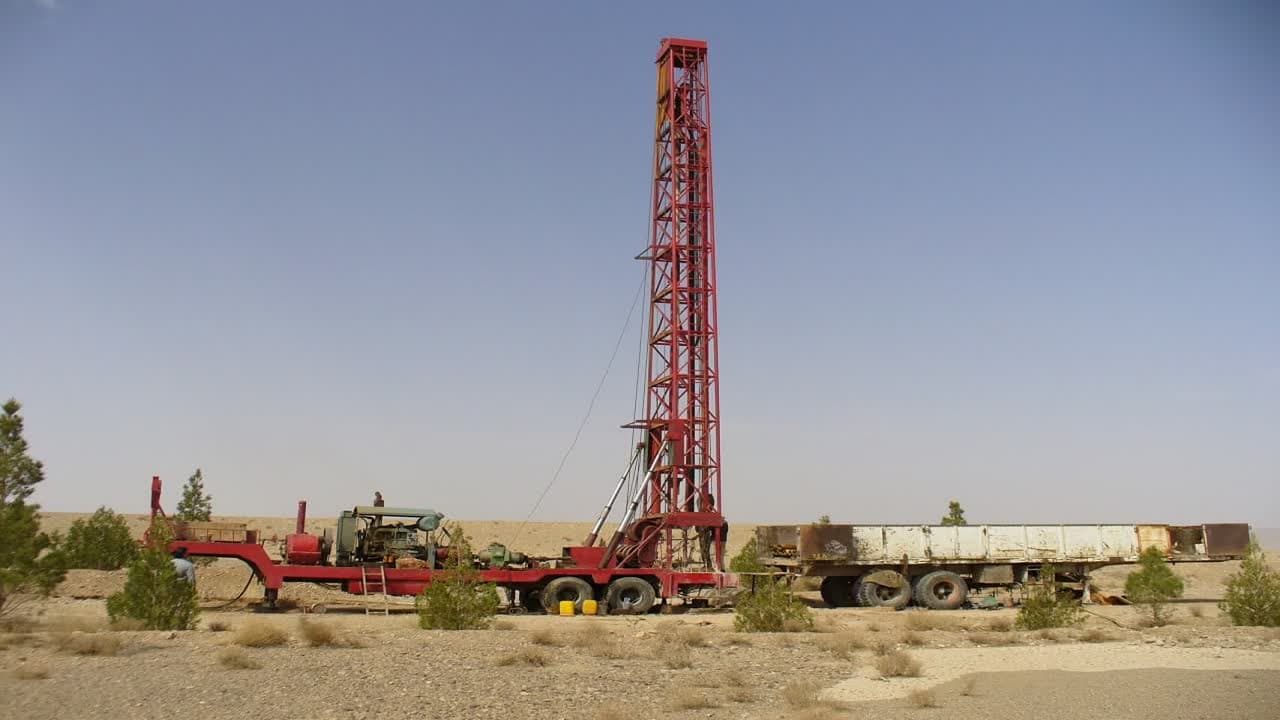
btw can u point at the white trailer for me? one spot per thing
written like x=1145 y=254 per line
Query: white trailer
x=938 y=565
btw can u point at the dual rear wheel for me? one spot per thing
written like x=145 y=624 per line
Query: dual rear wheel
x=624 y=596
x=937 y=590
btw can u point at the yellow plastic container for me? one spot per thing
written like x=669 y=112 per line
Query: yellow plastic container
x=566 y=608
x=590 y=607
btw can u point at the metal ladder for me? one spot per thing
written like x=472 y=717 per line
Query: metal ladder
x=367 y=577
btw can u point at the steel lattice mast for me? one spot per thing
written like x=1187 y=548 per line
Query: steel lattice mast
x=679 y=522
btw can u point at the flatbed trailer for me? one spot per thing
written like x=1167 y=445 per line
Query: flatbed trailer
x=938 y=566
x=524 y=587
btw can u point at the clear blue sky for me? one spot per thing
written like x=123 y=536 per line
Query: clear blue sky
x=1026 y=255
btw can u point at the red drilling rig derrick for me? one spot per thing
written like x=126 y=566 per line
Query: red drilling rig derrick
x=677 y=520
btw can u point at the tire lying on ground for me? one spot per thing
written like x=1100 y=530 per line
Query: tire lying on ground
x=941 y=590
x=885 y=588
x=573 y=589
x=630 y=596
x=838 y=591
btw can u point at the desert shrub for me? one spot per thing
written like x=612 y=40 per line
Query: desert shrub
x=897 y=664
x=1252 y=595
x=883 y=646
x=1196 y=611
x=801 y=693
x=672 y=634
x=691 y=699
x=31 y=672
x=1094 y=635
x=771 y=608
x=459 y=600
x=1153 y=585
x=1000 y=625
x=503 y=625
x=126 y=624
x=532 y=656
x=747 y=560
x=913 y=639
x=100 y=542
x=257 y=633
x=218 y=626
x=923 y=699
x=1048 y=635
x=31 y=562
x=545 y=636
x=233 y=658
x=737 y=639
x=1047 y=606
x=78 y=643
x=676 y=657
x=740 y=695
x=970 y=686
x=318 y=634
x=842 y=645
x=926 y=620
x=153 y=593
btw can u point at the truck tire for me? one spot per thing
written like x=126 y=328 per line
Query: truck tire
x=573 y=589
x=630 y=596
x=941 y=590
x=873 y=594
x=838 y=591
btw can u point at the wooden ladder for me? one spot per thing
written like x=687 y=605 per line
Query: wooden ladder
x=379 y=580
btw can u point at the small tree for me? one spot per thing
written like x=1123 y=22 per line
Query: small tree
x=154 y=593
x=823 y=519
x=30 y=562
x=955 y=514
x=195 y=504
x=101 y=542
x=459 y=600
x=747 y=560
x=1253 y=594
x=770 y=607
x=1047 y=606
x=1154 y=585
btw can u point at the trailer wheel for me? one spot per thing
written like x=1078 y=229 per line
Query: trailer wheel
x=941 y=590
x=873 y=594
x=838 y=591
x=630 y=596
x=573 y=589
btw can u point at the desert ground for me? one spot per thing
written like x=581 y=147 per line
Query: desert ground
x=61 y=660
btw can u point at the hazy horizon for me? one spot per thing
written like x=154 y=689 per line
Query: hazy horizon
x=1020 y=255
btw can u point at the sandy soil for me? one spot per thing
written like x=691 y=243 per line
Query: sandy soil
x=1198 y=668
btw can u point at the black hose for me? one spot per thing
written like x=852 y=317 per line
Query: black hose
x=235 y=599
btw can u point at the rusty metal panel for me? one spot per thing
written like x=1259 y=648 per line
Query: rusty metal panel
x=1154 y=536
x=1044 y=542
x=827 y=542
x=869 y=540
x=1081 y=541
x=1007 y=542
x=777 y=541
x=993 y=574
x=1226 y=539
x=906 y=541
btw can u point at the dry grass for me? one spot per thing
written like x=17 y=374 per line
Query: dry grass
x=992 y=639
x=792 y=625
x=257 y=633
x=883 y=646
x=125 y=624
x=17 y=640
x=874 y=627
x=926 y=620
x=31 y=672
x=1049 y=636
x=73 y=624
x=691 y=699
x=670 y=633
x=531 y=656
x=1000 y=625
x=78 y=643
x=969 y=688
x=740 y=695
x=318 y=634
x=820 y=712
x=914 y=639
x=738 y=639
x=676 y=657
x=610 y=712
x=1197 y=611
x=922 y=699
x=218 y=626
x=598 y=642
x=801 y=693
x=503 y=625
x=843 y=645
x=545 y=636
x=1094 y=635
x=897 y=664
x=233 y=658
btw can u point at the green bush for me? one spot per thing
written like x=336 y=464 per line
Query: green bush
x=100 y=542
x=31 y=561
x=1047 y=606
x=771 y=608
x=747 y=560
x=457 y=599
x=154 y=593
x=1253 y=594
x=1154 y=585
